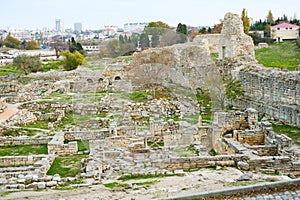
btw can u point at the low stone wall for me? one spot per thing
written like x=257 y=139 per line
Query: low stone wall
x=87 y=135
x=14 y=141
x=56 y=146
x=11 y=161
x=271 y=92
x=203 y=162
x=251 y=137
x=13 y=167
x=271 y=164
x=264 y=150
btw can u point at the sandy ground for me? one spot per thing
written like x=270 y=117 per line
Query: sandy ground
x=8 y=112
x=192 y=182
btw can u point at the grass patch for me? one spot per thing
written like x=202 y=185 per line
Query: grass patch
x=214 y=56
x=186 y=151
x=212 y=152
x=53 y=65
x=115 y=184
x=42 y=124
x=140 y=96
x=8 y=192
x=83 y=145
x=66 y=166
x=155 y=144
x=244 y=183
x=23 y=150
x=10 y=69
x=290 y=131
x=135 y=177
x=283 y=54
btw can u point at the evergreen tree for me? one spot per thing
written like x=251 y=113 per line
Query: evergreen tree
x=181 y=28
x=12 y=42
x=270 y=18
x=246 y=21
x=144 y=40
x=121 y=39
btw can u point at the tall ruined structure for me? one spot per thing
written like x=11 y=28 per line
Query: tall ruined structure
x=272 y=92
x=234 y=43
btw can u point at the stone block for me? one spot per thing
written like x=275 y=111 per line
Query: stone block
x=41 y=185
x=51 y=183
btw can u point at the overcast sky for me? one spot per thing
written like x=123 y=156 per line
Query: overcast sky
x=33 y=14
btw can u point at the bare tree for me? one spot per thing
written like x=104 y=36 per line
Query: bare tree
x=149 y=75
x=216 y=86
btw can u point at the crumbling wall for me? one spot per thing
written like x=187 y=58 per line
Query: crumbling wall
x=23 y=141
x=272 y=92
x=234 y=43
x=211 y=41
x=56 y=146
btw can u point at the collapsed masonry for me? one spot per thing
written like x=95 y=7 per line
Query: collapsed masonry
x=124 y=149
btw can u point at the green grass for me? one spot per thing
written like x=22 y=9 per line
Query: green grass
x=155 y=144
x=116 y=184
x=243 y=183
x=140 y=96
x=83 y=145
x=23 y=150
x=10 y=69
x=185 y=151
x=136 y=177
x=290 y=131
x=52 y=65
x=42 y=124
x=212 y=152
x=214 y=56
x=283 y=54
x=68 y=166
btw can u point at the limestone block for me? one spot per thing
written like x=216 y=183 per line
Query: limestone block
x=41 y=185
x=51 y=183
x=243 y=165
x=56 y=177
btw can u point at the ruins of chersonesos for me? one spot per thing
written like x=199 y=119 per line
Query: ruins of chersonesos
x=91 y=115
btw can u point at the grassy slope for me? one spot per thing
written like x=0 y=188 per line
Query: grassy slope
x=284 y=54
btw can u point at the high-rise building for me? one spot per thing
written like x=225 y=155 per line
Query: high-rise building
x=78 y=27
x=59 y=25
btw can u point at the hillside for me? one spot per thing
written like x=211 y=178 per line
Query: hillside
x=284 y=54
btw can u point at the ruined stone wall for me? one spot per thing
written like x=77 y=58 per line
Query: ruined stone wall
x=23 y=141
x=272 y=92
x=250 y=137
x=86 y=135
x=202 y=162
x=56 y=146
x=264 y=150
x=11 y=161
x=271 y=164
x=211 y=41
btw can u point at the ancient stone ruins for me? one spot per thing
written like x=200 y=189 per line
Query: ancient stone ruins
x=127 y=137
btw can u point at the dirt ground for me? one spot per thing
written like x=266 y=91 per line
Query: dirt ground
x=8 y=112
x=192 y=182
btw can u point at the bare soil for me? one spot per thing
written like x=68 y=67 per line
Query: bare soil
x=192 y=182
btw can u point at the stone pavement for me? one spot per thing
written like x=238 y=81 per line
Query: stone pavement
x=287 y=195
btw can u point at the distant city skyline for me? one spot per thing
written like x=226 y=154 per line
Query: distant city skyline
x=36 y=14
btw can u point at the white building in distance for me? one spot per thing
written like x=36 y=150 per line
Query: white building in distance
x=79 y=27
x=59 y=25
x=134 y=26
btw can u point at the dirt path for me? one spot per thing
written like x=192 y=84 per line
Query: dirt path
x=193 y=182
x=11 y=110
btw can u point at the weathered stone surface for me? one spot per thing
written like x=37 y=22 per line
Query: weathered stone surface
x=51 y=183
x=243 y=165
x=246 y=177
x=234 y=43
